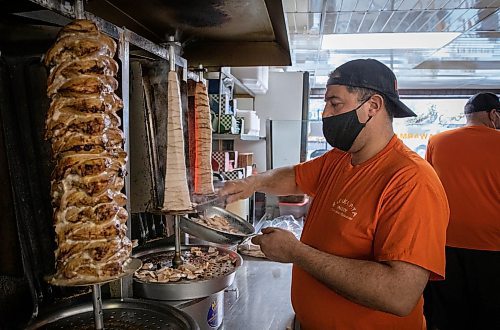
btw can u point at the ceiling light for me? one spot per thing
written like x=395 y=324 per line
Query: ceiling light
x=421 y=40
x=320 y=80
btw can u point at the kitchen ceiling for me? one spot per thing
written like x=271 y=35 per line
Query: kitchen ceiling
x=470 y=61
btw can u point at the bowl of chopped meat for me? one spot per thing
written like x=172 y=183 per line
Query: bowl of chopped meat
x=217 y=225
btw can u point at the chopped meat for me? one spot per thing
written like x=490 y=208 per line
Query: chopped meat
x=218 y=222
x=199 y=263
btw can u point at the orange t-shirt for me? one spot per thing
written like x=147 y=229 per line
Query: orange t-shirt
x=391 y=207
x=467 y=160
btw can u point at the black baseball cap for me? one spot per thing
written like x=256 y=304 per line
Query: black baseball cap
x=372 y=74
x=482 y=102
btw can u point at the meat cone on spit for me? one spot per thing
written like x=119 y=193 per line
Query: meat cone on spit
x=176 y=198
x=88 y=176
x=203 y=180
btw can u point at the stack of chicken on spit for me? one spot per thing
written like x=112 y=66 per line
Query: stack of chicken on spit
x=83 y=128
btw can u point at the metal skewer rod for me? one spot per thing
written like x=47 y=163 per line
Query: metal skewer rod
x=97 y=303
x=79 y=10
x=171 y=52
x=177 y=261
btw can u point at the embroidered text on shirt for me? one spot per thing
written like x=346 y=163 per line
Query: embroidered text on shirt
x=344 y=208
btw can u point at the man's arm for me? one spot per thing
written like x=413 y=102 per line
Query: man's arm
x=280 y=181
x=393 y=287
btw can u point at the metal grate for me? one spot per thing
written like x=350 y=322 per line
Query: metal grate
x=122 y=319
x=118 y=314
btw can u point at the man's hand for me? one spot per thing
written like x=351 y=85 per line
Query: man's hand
x=277 y=244
x=238 y=189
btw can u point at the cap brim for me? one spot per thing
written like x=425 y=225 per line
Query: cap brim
x=401 y=110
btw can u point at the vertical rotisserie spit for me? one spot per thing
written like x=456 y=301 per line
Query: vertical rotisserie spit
x=88 y=176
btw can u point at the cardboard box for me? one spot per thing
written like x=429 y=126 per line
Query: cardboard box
x=245 y=159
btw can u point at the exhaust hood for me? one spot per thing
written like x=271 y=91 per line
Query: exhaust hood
x=214 y=33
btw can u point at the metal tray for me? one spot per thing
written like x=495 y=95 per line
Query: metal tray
x=118 y=314
x=185 y=289
x=218 y=236
x=129 y=268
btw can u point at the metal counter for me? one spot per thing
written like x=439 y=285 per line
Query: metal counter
x=259 y=298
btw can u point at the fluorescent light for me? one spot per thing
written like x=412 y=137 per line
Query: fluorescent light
x=321 y=80
x=421 y=40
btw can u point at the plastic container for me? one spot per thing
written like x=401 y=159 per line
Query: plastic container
x=298 y=210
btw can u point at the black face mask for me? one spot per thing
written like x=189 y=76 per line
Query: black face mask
x=340 y=131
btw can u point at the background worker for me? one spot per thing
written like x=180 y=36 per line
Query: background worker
x=467 y=160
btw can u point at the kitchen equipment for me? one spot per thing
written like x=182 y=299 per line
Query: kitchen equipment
x=129 y=268
x=184 y=289
x=191 y=227
x=219 y=201
x=208 y=312
x=124 y=314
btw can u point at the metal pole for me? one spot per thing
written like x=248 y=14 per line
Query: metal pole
x=171 y=53
x=97 y=303
x=79 y=10
x=124 y=55
x=200 y=70
x=177 y=261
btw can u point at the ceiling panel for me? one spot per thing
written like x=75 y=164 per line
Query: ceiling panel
x=381 y=21
x=356 y=19
x=369 y=20
x=471 y=59
x=490 y=23
x=394 y=21
x=407 y=21
x=350 y=5
x=305 y=41
x=426 y=21
x=412 y=4
x=342 y=22
x=316 y=5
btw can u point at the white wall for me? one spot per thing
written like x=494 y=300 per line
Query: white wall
x=283 y=101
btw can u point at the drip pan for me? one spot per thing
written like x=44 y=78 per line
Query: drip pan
x=118 y=314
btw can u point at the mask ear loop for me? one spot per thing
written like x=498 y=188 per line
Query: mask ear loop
x=369 y=117
x=492 y=121
x=366 y=122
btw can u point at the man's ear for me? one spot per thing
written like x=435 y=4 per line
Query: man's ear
x=376 y=104
x=492 y=114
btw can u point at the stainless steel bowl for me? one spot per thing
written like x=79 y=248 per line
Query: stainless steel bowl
x=184 y=289
x=191 y=227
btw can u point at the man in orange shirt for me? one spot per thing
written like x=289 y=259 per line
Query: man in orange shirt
x=375 y=232
x=467 y=160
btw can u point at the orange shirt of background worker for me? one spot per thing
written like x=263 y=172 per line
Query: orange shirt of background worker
x=473 y=195
x=392 y=207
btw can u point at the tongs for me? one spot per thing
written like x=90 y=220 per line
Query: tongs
x=219 y=201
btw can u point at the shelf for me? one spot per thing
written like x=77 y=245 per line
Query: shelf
x=238 y=83
x=243 y=137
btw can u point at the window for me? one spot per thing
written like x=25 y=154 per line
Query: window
x=434 y=115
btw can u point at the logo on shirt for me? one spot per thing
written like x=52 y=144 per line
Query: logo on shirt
x=345 y=208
